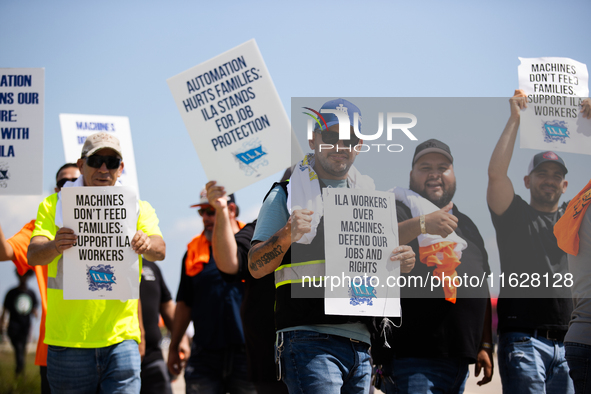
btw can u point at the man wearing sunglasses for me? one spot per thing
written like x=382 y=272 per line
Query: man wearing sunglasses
x=218 y=358
x=316 y=352
x=15 y=249
x=93 y=344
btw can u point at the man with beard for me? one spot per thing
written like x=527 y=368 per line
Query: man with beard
x=317 y=353
x=218 y=358
x=532 y=322
x=429 y=351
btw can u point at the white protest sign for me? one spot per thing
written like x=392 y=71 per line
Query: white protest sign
x=555 y=87
x=360 y=232
x=21 y=129
x=102 y=264
x=75 y=129
x=234 y=116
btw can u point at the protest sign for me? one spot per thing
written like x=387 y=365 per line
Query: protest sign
x=554 y=87
x=75 y=129
x=102 y=264
x=360 y=231
x=234 y=116
x=21 y=128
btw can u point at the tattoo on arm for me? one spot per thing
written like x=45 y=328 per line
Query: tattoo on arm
x=269 y=256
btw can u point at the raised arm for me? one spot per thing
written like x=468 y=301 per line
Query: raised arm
x=223 y=243
x=500 y=189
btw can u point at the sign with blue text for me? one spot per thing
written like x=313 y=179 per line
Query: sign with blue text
x=555 y=87
x=234 y=116
x=360 y=232
x=75 y=129
x=102 y=264
x=21 y=130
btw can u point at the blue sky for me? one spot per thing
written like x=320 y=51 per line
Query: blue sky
x=113 y=58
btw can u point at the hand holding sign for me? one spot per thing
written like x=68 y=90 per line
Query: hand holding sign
x=518 y=102
x=64 y=239
x=141 y=243
x=216 y=195
x=586 y=108
x=406 y=256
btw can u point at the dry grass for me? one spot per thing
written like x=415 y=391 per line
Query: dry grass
x=28 y=382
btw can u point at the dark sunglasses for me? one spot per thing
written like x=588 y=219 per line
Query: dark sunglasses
x=112 y=162
x=209 y=211
x=63 y=181
x=331 y=137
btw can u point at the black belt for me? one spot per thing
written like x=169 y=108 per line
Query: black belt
x=554 y=335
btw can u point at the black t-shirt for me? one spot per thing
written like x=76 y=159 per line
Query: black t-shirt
x=257 y=311
x=527 y=246
x=153 y=293
x=215 y=304
x=433 y=327
x=20 y=304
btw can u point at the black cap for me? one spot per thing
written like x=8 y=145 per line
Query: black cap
x=544 y=157
x=432 y=146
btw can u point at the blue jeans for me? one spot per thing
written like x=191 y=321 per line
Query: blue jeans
x=217 y=371
x=535 y=365
x=425 y=375
x=578 y=356
x=111 y=369
x=320 y=363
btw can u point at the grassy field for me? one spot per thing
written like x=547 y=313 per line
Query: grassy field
x=27 y=383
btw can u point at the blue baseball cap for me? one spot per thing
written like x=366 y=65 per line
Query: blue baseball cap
x=342 y=105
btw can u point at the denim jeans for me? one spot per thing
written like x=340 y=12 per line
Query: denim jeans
x=425 y=375
x=217 y=371
x=109 y=370
x=321 y=363
x=535 y=365
x=578 y=356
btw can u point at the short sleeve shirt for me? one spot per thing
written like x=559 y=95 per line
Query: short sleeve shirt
x=88 y=323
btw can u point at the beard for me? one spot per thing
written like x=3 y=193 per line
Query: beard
x=208 y=234
x=334 y=169
x=547 y=199
x=440 y=202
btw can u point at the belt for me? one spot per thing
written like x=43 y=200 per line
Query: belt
x=553 y=335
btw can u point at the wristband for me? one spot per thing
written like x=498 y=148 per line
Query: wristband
x=422 y=224
x=487 y=346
